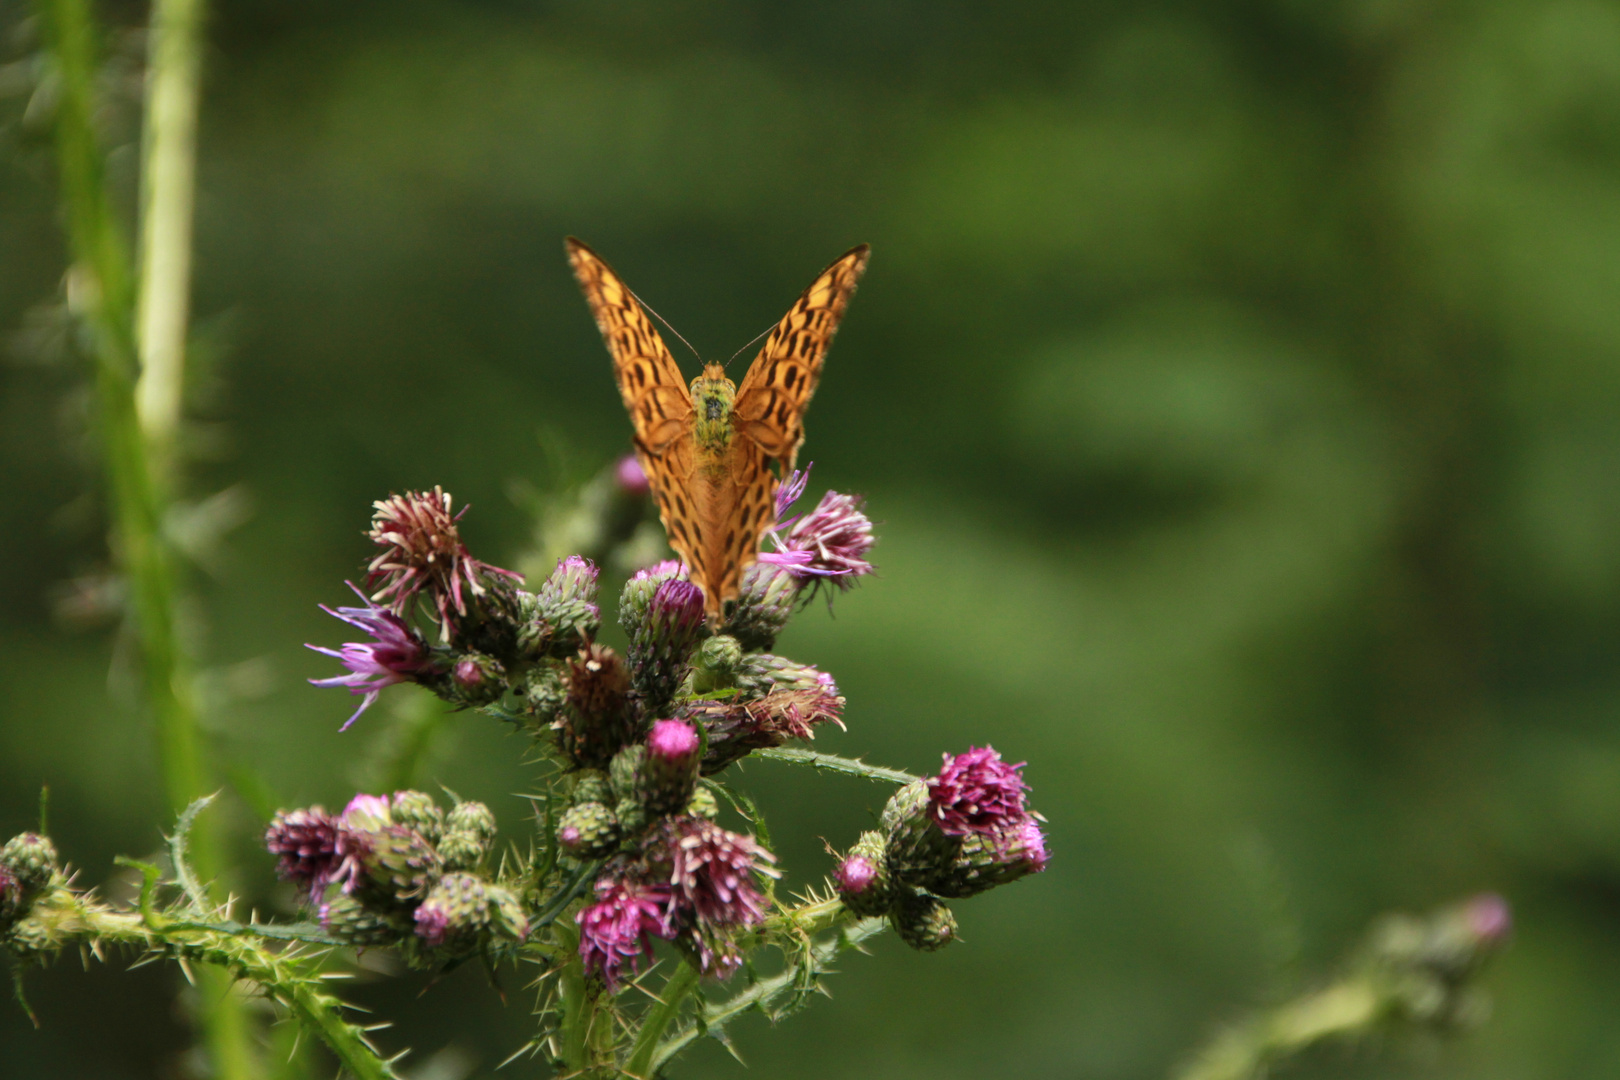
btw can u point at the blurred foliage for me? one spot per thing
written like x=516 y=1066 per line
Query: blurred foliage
x=1236 y=386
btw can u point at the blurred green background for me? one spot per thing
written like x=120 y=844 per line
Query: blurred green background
x=1236 y=386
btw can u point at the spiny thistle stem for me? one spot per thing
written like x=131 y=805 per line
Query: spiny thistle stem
x=102 y=290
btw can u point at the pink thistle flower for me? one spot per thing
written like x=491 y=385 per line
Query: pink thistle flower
x=395 y=654
x=712 y=873
x=830 y=542
x=422 y=549
x=615 y=931
x=977 y=792
x=309 y=843
x=631 y=477
x=855 y=874
x=737 y=728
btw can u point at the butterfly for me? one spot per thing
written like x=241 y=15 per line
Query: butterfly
x=707 y=446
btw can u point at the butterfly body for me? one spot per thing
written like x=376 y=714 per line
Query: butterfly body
x=707 y=446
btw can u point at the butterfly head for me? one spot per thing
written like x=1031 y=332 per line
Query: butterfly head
x=712 y=396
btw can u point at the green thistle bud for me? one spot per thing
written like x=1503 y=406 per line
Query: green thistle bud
x=863 y=879
x=661 y=644
x=703 y=804
x=454 y=912
x=765 y=602
x=346 y=919
x=591 y=785
x=917 y=850
x=624 y=772
x=564 y=615
x=638 y=593
x=398 y=866
x=31 y=858
x=477 y=679
x=908 y=802
x=506 y=915
x=588 y=831
x=545 y=692
x=469 y=830
x=923 y=922
x=715 y=664
x=632 y=817
x=985 y=860
x=670 y=771
x=760 y=673
x=417 y=810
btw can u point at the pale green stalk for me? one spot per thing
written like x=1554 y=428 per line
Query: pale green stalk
x=1344 y=1009
x=168 y=189
x=102 y=291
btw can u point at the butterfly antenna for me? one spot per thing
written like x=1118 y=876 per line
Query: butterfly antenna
x=668 y=327
x=750 y=344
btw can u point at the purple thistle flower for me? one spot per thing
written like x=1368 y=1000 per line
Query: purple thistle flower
x=309 y=843
x=432 y=924
x=712 y=873
x=830 y=541
x=672 y=741
x=615 y=930
x=737 y=728
x=395 y=654
x=977 y=792
x=631 y=477
x=855 y=874
x=422 y=549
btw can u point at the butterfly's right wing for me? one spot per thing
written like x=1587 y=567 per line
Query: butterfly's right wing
x=657 y=397
x=649 y=380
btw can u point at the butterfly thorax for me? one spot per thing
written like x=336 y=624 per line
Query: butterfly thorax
x=712 y=396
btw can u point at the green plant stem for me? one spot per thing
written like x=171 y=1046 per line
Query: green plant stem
x=713 y=1018
x=287 y=977
x=1346 y=1008
x=677 y=988
x=168 y=190
x=841 y=765
x=101 y=290
x=588 y=1035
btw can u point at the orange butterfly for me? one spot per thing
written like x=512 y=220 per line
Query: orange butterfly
x=706 y=447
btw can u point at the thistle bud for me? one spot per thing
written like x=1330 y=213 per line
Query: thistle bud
x=737 y=728
x=591 y=785
x=624 y=772
x=669 y=773
x=454 y=912
x=766 y=599
x=417 y=810
x=984 y=861
x=638 y=592
x=506 y=915
x=31 y=858
x=544 y=692
x=346 y=919
x=566 y=614
x=863 y=877
x=703 y=804
x=588 y=831
x=661 y=644
x=389 y=865
x=307 y=842
x=714 y=664
x=597 y=720
x=477 y=679
x=760 y=673
x=917 y=851
x=469 y=830
x=923 y=922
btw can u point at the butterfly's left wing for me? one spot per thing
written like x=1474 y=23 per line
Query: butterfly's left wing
x=770 y=403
